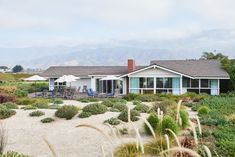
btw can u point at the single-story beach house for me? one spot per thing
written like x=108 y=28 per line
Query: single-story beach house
x=160 y=76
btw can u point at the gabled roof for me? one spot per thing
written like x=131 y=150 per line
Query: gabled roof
x=84 y=71
x=194 y=68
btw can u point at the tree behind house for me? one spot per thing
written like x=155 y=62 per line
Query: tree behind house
x=17 y=69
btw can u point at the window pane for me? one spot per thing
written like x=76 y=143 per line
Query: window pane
x=168 y=83
x=150 y=82
x=205 y=83
x=194 y=83
x=143 y=82
x=159 y=82
x=134 y=82
x=186 y=82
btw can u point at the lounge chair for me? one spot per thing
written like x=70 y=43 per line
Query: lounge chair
x=91 y=93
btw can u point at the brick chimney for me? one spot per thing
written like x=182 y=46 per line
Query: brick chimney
x=131 y=65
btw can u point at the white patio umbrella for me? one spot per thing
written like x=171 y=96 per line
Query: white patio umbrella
x=67 y=78
x=35 y=78
x=110 y=77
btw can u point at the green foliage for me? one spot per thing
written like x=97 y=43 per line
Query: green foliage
x=6 y=113
x=117 y=100
x=36 y=114
x=120 y=107
x=54 y=106
x=148 y=98
x=123 y=131
x=67 y=112
x=21 y=93
x=203 y=110
x=127 y=150
x=87 y=100
x=108 y=103
x=185 y=118
x=124 y=115
x=47 y=120
x=156 y=146
x=130 y=97
x=113 y=110
x=169 y=123
x=17 y=69
x=153 y=121
x=163 y=105
x=229 y=66
x=13 y=154
x=41 y=103
x=112 y=121
x=58 y=101
x=26 y=101
x=84 y=115
x=141 y=108
x=137 y=102
x=29 y=107
x=95 y=109
x=10 y=105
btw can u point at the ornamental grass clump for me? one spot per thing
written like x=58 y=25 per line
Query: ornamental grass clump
x=48 y=120
x=128 y=150
x=67 y=112
x=95 y=109
x=133 y=115
x=10 y=105
x=6 y=113
x=153 y=121
x=184 y=119
x=203 y=110
x=84 y=115
x=169 y=123
x=36 y=114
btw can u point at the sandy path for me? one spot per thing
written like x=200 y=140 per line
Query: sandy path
x=25 y=135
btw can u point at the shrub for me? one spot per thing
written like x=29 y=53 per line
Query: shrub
x=87 y=100
x=123 y=131
x=41 y=103
x=13 y=154
x=84 y=115
x=117 y=100
x=108 y=103
x=148 y=98
x=169 y=123
x=142 y=108
x=127 y=150
x=113 y=110
x=95 y=109
x=6 y=113
x=156 y=146
x=67 y=112
x=29 y=107
x=137 y=102
x=58 y=101
x=203 y=110
x=164 y=105
x=26 y=101
x=120 y=107
x=130 y=97
x=6 y=98
x=185 y=118
x=54 y=106
x=124 y=115
x=153 y=121
x=47 y=120
x=36 y=114
x=112 y=121
x=10 y=105
x=21 y=93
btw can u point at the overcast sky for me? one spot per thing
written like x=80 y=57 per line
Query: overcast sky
x=28 y=23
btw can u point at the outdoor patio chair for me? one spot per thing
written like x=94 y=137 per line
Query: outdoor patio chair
x=91 y=93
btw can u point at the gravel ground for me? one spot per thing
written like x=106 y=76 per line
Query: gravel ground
x=26 y=134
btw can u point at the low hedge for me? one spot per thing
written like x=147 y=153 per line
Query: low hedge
x=84 y=115
x=6 y=113
x=10 y=105
x=67 y=112
x=36 y=114
x=47 y=120
x=142 y=108
x=124 y=115
x=120 y=107
x=96 y=108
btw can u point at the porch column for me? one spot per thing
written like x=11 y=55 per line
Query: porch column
x=155 y=85
x=181 y=84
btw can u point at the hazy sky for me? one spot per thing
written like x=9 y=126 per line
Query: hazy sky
x=189 y=25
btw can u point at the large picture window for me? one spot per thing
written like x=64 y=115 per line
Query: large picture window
x=164 y=82
x=146 y=82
